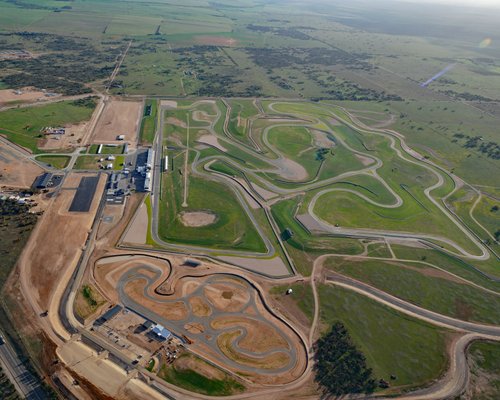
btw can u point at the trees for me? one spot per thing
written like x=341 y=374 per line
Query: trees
x=340 y=367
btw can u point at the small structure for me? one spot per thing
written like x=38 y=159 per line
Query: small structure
x=108 y=315
x=99 y=149
x=165 y=166
x=191 y=263
x=49 y=130
x=161 y=332
x=289 y=291
x=43 y=181
x=109 y=166
x=147 y=182
x=110 y=157
x=120 y=137
x=147 y=324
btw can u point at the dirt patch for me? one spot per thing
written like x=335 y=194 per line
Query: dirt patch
x=274 y=361
x=23 y=95
x=56 y=243
x=197 y=218
x=168 y=103
x=212 y=141
x=16 y=171
x=321 y=139
x=194 y=327
x=216 y=40
x=364 y=160
x=291 y=170
x=199 y=307
x=71 y=139
x=118 y=118
x=138 y=229
x=215 y=295
x=260 y=337
x=176 y=122
x=171 y=311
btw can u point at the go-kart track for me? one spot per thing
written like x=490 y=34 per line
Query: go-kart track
x=223 y=314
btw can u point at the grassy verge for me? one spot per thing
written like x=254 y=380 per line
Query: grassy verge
x=393 y=343
x=148 y=124
x=58 y=162
x=196 y=381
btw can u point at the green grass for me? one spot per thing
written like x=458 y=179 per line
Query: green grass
x=106 y=149
x=23 y=126
x=149 y=236
x=412 y=283
x=88 y=162
x=393 y=343
x=58 y=162
x=301 y=295
x=232 y=229
x=148 y=124
x=194 y=381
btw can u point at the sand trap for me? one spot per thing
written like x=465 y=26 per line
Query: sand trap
x=212 y=141
x=168 y=103
x=197 y=218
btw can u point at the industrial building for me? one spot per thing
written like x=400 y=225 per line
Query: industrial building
x=150 y=159
x=161 y=332
x=43 y=181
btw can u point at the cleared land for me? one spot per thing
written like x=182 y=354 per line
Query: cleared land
x=118 y=118
x=15 y=170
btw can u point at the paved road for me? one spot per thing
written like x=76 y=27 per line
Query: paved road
x=24 y=381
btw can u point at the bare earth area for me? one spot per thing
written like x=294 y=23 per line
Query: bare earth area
x=138 y=229
x=57 y=241
x=25 y=95
x=118 y=118
x=197 y=218
x=212 y=141
x=216 y=40
x=15 y=171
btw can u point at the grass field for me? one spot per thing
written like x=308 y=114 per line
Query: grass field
x=58 y=162
x=148 y=124
x=232 y=228
x=92 y=162
x=392 y=343
x=425 y=287
x=23 y=126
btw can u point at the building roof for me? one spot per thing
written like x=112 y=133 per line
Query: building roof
x=42 y=181
x=161 y=331
x=111 y=312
